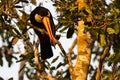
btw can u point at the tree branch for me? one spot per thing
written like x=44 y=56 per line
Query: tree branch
x=69 y=56
x=21 y=72
x=102 y=58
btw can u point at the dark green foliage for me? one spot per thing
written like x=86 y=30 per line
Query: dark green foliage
x=1 y=78
x=102 y=20
x=55 y=59
x=70 y=32
x=68 y=15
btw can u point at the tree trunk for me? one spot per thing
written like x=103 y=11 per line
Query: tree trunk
x=83 y=58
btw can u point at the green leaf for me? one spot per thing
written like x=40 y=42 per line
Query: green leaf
x=59 y=65
x=113 y=58
x=110 y=30
x=17 y=31
x=63 y=29
x=20 y=25
x=55 y=59
x=117 y=28
x=72 y=8
x=17 y=6
x=9 y=59
x=52 y=68
x=33 y=2
x=25 y=1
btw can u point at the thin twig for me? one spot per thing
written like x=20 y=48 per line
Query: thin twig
x=102 y=57
x=69 y=55
x=22 y=71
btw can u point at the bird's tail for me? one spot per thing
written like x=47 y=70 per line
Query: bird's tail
x=45 y=46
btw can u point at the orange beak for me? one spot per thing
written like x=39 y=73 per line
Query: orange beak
x=46 y=22
x=47 y=25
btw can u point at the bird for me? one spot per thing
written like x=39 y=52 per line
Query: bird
x=42 y=18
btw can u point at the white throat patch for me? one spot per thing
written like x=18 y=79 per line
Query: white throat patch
x=38 y=18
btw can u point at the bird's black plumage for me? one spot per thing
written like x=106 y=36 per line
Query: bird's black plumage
x=45 y=44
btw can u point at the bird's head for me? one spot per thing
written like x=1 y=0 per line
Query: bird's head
x=43 y=16
x=39 y=18
x=38 y=14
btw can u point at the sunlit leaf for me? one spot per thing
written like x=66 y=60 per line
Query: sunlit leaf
x=72 y=8
x=15 y=40
x=89 y=19
x=102 y=40
x=33 y=2
x=113 y=58
x=110 y=30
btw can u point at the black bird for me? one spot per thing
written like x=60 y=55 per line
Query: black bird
x=42 y=18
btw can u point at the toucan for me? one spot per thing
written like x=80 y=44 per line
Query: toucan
x=42 y=18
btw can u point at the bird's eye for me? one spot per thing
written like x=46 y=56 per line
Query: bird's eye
x=38 y=18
